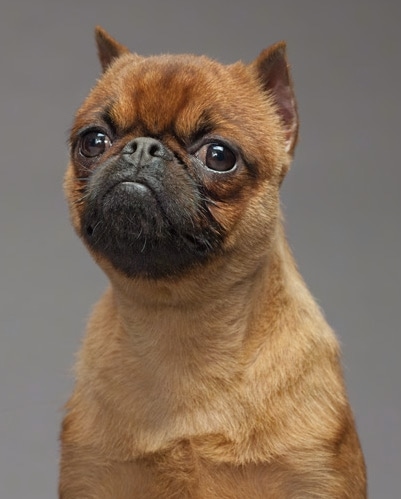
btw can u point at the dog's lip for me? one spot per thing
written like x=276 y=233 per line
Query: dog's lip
x=136 y=185
x=130 y=184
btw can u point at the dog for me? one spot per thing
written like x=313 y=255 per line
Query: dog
x=207 y=369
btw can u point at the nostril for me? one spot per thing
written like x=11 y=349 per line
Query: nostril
x=134 y=147
x=154 y=149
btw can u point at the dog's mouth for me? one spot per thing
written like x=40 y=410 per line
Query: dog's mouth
x=125 y=188
x=153 y=227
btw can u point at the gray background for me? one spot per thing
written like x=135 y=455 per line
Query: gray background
x=341 y=198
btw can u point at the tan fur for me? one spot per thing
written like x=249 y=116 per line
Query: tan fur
x=225 y=382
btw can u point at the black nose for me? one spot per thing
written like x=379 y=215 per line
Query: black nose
x=144 y=149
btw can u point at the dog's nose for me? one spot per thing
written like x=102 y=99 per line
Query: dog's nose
x=144 y=149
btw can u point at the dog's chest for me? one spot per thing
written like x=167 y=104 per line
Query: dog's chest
x=182 y=472
x=176 y=472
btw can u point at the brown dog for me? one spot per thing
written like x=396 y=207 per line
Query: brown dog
x=208 y=370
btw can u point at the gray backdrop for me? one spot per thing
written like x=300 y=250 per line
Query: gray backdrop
x=341 y=198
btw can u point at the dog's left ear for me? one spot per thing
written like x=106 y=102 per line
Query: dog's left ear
x=108 y=48
x=273 y=71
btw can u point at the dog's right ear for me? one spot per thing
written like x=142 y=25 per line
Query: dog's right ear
x=108 y=48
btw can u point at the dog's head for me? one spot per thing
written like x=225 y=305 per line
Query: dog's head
x=177 y=160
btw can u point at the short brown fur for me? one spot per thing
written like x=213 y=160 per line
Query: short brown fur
x=223 y=381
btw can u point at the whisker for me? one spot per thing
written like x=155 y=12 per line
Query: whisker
x=82 y=198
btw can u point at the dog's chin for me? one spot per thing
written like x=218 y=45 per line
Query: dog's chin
x=129 y=227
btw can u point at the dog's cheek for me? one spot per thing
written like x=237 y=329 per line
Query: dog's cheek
x=74 y=193
x=226 y=214
x=229 y=196
x=250 y=222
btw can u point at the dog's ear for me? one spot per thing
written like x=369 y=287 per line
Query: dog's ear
x=273 y=72
x=108 y=48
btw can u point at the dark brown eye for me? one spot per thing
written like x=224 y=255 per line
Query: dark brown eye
x=217 y=157
x=94 y=144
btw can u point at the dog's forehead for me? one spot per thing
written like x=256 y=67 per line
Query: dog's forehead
x=156 y=91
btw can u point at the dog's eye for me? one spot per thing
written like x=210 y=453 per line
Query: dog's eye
x=217 y=157
x=94 y=144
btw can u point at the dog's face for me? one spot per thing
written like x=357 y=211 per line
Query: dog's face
x=177 y=160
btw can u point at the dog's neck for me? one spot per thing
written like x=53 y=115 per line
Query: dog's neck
x=206 y=325
x=216 y=299
x=170 y=350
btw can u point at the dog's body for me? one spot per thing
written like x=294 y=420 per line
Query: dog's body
x=207 y=371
